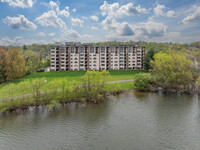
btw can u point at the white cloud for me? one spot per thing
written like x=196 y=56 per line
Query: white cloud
x=55 y=6
x=115 y=28
x=116 y=10
x=141 y=31
x=74 y=10
x=110 y=23
x=67 y=8
x=42 y=34
x=71 y=34
x=84 y=18
x=52 y=34
x=94 y=28
x=63 y=13
x=77 y=22
x=151 y=29
x=19 y=22
x=193 y=16
x=94 y=18
x=50 y=19
x=6 y=41
x=160 y=10
x=170 y=13
x=19 y=3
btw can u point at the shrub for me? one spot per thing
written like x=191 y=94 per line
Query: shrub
x=141 y=82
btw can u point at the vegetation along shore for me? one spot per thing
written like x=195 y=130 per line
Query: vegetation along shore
x=168 y=67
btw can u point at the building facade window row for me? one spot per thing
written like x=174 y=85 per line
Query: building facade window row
x=74 y=56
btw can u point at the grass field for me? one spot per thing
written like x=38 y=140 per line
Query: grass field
x=74 y=76
x=17 y=87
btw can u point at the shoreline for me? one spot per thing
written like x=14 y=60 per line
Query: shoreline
x=35 y=106
x=26 y=107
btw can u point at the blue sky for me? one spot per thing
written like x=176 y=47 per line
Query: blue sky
x=34 y=21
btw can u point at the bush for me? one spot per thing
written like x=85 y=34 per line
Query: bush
x=142 y=82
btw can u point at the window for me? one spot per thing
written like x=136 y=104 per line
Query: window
x=121 y=49
x=102 y=49
x=82 y=50
x=130 y=50
x=112 y=50
x=76 y=50
x=91 y=49
x=72 y=49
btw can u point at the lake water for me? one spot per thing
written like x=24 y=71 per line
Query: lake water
x=139 y=121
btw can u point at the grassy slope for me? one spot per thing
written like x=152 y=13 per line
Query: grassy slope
x=75 y=76
x=16 y=88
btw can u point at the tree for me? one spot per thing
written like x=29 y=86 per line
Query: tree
x=141 y=82
x=32 y=60
x=148 y=58
x=15 y=65
x=24 y=47
x=3 y=55
x=172 y=69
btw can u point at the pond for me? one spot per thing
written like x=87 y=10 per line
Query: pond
x=139 y=121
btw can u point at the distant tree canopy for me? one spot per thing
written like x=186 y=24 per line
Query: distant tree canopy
x=12 y=65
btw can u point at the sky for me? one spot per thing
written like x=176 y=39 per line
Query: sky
x=43 y=22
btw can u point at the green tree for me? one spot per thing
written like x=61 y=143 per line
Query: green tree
x=15 y=65
x=149 y=56
x=24 y=47
x=141 y=82
x=173 y=70
x=32 y=60
x=3 y=62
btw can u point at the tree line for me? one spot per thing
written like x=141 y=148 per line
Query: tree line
x=17 y=61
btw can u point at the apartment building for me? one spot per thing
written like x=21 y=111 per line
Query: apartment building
x=75 y=56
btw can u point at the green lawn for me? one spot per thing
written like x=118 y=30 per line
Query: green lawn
x=74 y=76
x=7 y=89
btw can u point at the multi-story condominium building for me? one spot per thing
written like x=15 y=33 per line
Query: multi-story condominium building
x=75 y=56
